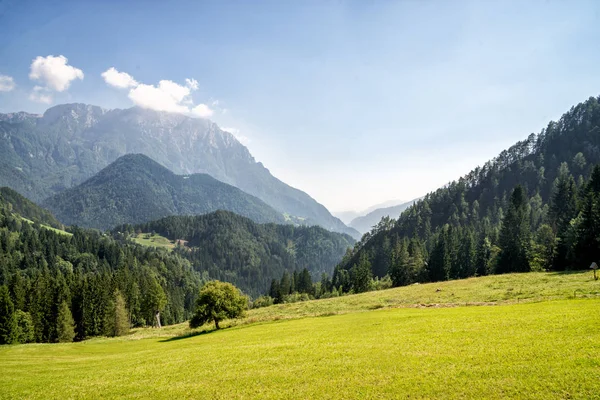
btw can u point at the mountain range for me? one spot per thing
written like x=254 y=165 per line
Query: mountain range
x=135 y=189
x=42 y=155
x=365 y=223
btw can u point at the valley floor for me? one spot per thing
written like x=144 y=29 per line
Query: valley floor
x=547 y=347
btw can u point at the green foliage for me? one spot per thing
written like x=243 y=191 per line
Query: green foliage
x=8 y=320
x=361 y=275
x=552 y=346
x=25 y=330
x=235 y=249
x=588 y=227
x=262 y=301
x=218 y=301
x=44 y=269
x=476 y=226
x=117 y=320
x=28 y=209
x=65 y=325
x=515 y=237
x=135 y=189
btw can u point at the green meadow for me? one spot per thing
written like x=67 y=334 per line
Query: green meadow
x=521 y=336
x=147 y=239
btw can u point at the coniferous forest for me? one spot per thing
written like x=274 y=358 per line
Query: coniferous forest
x=235 y=249
x=536 y=206
x=59 y=286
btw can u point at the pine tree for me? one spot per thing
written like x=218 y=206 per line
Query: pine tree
x=65 y=325
x=361 y=275
x=8 y=321
x=439 y=261
x=285 y=286
x=588 y=230
x=400 y=265
x=515 y=235
x=121 y=320
x=563 y=208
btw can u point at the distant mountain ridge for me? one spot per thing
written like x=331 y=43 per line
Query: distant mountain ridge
x=364 y=223
x=135 y=189
x=348 y=216
x=41 y=155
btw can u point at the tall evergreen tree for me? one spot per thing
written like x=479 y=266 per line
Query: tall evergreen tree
x=563 y=208
x=361 y=275
x=400 y=264
x=65 y=325
x=588 y=230
x=515 y=235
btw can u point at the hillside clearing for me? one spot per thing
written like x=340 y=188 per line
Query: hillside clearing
x=147 y=239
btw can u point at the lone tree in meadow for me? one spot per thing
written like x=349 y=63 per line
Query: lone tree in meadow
x=218 y=301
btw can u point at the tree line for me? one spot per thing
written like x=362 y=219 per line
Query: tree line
x=534 y=207
x=235 y=249
x=58 y=286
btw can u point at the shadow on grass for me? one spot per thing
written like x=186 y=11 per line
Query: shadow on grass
x=190 y=335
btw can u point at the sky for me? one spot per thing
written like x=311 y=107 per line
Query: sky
x=353 y=102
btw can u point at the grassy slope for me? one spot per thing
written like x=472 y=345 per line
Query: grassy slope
x=154 y=241
x=541 y=349
x=59 y=231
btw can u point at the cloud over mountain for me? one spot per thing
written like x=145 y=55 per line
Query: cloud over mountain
x=166 y=96
x=54 y=73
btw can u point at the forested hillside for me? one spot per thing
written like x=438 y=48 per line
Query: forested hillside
x=55 y=286
x=28 y=209
x=235 y=249
x=136 y=189
x=42 y=155
x=532 y=207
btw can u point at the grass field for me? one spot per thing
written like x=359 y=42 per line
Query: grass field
x=154 y=241
x=413 y=342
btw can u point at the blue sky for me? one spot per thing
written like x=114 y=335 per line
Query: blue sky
x=355 y=103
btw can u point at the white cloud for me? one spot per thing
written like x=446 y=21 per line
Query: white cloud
x=7 y=83
x=166 y=96
x=192 y=84
x=118 y=79
x=41 y=95
x=54 y=72
x=202 y=111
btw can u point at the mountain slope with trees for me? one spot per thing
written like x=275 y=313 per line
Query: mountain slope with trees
x=41 y=155
x=56 y=287
x=235 y=249
x=28 y=209
x=533 y=207
x=136 y=189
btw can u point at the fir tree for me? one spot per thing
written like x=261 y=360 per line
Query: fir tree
x=65 y=325
x=515 y=236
